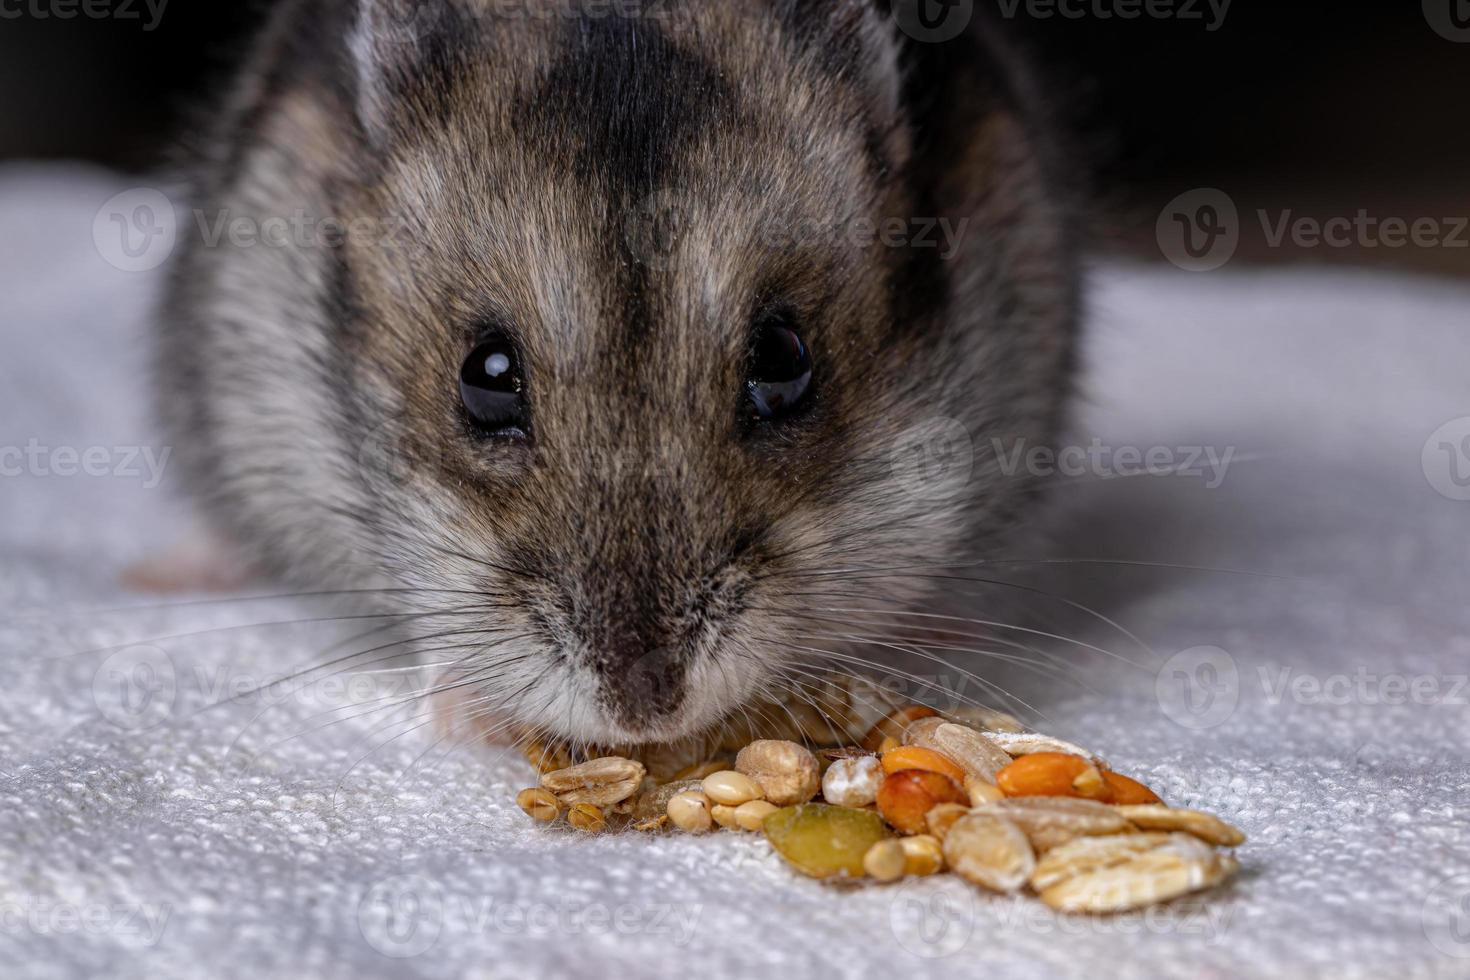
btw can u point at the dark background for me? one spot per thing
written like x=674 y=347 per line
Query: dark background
x=1323 y=108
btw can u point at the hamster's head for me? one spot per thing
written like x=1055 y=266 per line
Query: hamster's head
x=672 y=348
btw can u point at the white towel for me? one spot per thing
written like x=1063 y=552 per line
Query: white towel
x=1311 y=689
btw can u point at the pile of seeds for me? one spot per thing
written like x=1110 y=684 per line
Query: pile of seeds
x=920 y=793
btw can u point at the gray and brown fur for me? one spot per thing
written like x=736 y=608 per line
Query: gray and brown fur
x=641 y=558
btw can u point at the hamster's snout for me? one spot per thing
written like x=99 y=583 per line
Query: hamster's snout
x=648 y=689
x=653 y=645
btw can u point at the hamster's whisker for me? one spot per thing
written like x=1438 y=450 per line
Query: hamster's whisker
x=284 y=698
x=918 y=630
x=916 y=572
x=522 y=572
x=415 y=696
x=346 y=658
x=819 y=676
x=993 y=624
x=919 y=650
x=911 y=677
x=1044 y=669
x=275 y=624
x=309 y=729
x=930 y=636
x=429 y=715
x=795 y=687
x=483 y=735
x=200 y=603
x=472 y=719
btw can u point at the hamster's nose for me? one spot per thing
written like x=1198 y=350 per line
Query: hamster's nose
x=651 y=682
x=642 y=688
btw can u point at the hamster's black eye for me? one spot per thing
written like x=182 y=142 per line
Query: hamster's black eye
x=492 y=388
x=780 y=369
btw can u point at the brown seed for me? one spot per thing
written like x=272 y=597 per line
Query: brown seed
x=918 y=732
x=1088 y=854
x=547 y=756
x=540 y=804
x=1128 y=791
x=1181 y=865
x=988 y=850
x=601 y=782
x=1053 y=821
x=1044 y=774
x=586 y=818
x=1207 y=827
x=918 y=757
x=975 y=753
x=908 y=795
x=787 y=773
x=1029 y=743
x=894 y=725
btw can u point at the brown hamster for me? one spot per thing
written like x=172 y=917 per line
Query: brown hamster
x=613 y=327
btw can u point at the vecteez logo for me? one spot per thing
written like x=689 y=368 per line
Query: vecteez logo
x=1199 y=230
x=1199 y=688
x=1446 y=459
x=933 y=21
x=136 y=231
x=1210 y=13
x=1450 y=19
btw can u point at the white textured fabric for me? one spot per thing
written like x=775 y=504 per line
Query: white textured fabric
x=158 y=852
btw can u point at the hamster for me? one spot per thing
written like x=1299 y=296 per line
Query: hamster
x=605 y=331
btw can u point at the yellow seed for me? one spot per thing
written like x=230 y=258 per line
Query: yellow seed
x=752 y=815
x=540 y=804
x=587 y=818
x=731 y=788
x=922 y=854
x=885 y=861
x=942 y=817
x=982 y=792
x=690 y=812
x=723 y=815
x=1090 y=784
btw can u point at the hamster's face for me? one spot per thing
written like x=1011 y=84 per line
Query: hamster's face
x=654 y=359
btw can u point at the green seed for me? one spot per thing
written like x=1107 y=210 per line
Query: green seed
x=824 y=841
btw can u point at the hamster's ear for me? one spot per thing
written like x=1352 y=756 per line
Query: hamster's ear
x=385 y=46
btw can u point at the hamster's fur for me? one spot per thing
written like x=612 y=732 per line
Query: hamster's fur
x=603 y=187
